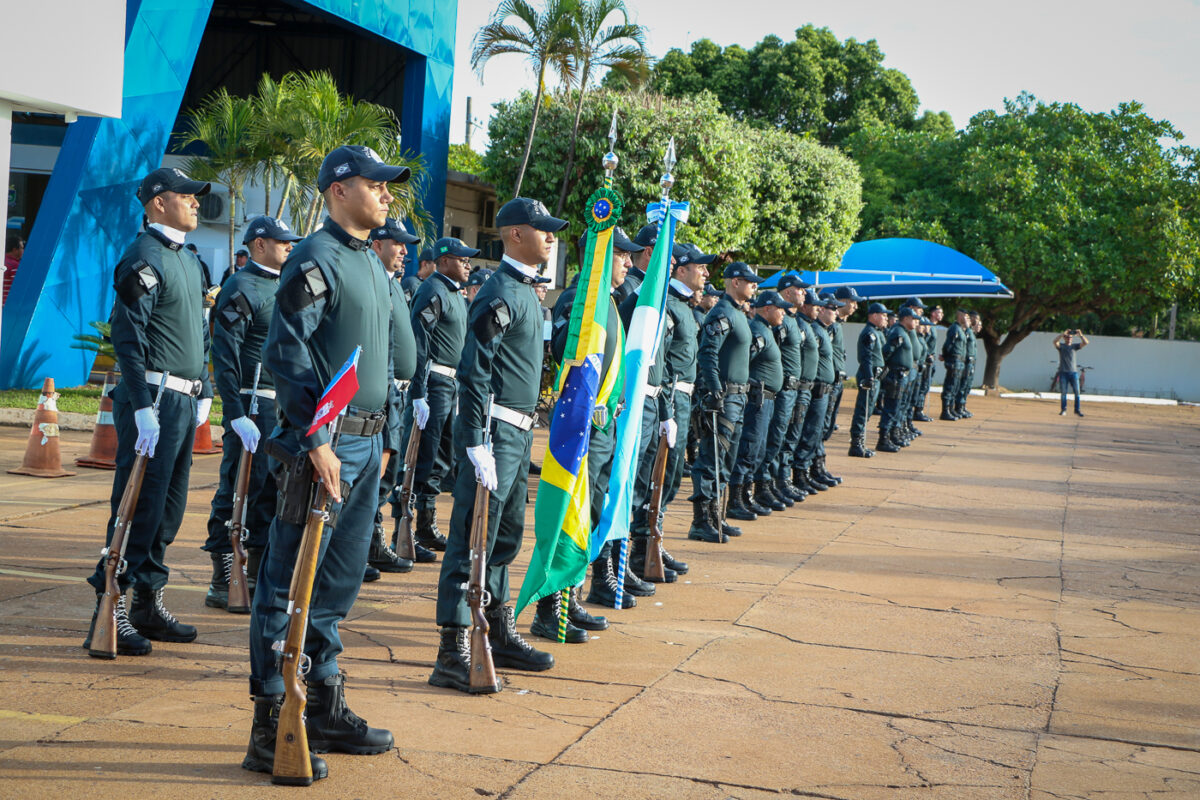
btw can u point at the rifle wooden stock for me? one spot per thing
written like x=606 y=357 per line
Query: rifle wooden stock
x=654 y=563
x=292 y=765
x=239 y=592
x=104 y=635
x=483 y=671
x=405 y=546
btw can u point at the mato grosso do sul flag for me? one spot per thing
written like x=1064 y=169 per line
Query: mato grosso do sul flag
x=338 y=394
x=562 y=511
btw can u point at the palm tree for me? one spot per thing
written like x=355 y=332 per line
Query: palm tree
x=272 y=132
x=222 y=124
x=542 y=37
x=620 y=47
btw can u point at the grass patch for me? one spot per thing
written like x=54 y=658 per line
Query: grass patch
x=79 y=400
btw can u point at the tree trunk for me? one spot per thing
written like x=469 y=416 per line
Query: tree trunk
x=566 y=181
x=537 y=105
x=267 y=185
x=996 y=349
x=283 y=196
x=232 y=221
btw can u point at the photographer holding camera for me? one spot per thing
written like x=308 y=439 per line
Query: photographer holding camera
x=1067 y=343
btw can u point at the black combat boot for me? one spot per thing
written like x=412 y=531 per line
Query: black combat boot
x=633 y=584
x=129 y=641
x=897 y=437
x=736 y=506
x=423 y=554
x=721 y=521
x=858 y=447
x=784 y=488
x=672 y=563
x=817 y=476
x=427 y=534
x=947 y=410
x=332 y=726
x=763 y=496
x=603 y=591
x=783 y=497
x=962 y=412
x=253 y=559
x=452 y=670
x=384 y=558
x=639 y=549
x=821 y=466
x=749 y=501
x=370 y=574
x=545 y=621
x=913 y=430
x=260 y=753
x=580 y=617
x=218 y=585
x=885 y=444
x=702 y=529
x=508 y=648
x=152 y=619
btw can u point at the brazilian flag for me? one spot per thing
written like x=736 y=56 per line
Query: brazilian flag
x=562 y=512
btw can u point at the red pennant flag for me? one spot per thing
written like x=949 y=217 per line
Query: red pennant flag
x=338 y=393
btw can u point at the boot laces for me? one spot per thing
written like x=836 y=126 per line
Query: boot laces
x=463 y=641
x=161 y=607
x=610 y=577
x=124 y=627
x=227 y=564
x=509 y=624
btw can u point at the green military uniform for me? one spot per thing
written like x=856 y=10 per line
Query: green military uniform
x=870 y=367
x=778 y=456
x=970 y=345
x=838 y=344
x=954 y=359
x=809 y=360
x=766 y=379
x=898 y=364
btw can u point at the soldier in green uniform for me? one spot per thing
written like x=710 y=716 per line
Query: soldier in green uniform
x=334 y=296
x=930 y=334
x=426 y=265
x=870 y=368
x=723 y=374
x=898 y=364
x=766 y=380
x=501 y=362
x=819 y=314
x=158 y=326
x=970 y=353
x=953 y=360
x=799 y=351
x=243 y=314
x=850 y=300
x=439 y=317
x=390 y=242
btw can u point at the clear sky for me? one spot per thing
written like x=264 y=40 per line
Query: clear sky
x=961 y=57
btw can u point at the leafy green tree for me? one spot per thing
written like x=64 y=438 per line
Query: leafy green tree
x=543 y=37
x=463 y=159
x=813 y=84
x=721 y=172
x=1077 y=212
x=593 y=44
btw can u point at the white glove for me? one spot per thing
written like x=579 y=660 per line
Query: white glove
x=147 y=428
x=485 y=466
x=421 y=412
x=247 y=431
x=669 y=429
x=203 y=405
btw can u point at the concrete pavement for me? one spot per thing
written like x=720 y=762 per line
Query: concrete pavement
x=1010 y=608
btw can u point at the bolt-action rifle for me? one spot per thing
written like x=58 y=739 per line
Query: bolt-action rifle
x=239 y=591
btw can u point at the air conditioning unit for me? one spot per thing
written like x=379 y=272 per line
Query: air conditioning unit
x=214 y=207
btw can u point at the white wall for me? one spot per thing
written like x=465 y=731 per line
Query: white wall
x=1121 y=366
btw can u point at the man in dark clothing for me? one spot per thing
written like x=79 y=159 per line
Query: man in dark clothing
x=1068 y=343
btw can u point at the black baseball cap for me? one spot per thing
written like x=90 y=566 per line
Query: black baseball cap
x=392 y=229
x=848 y=293
x=169 y=179
x=906 y=311
x=914 y=302
x=622 y=242
x=770 y=298
x=356 y=159
x=711 y=291
x=829 y=300
x=242 y=252
x=698 y=256
x=479 y=277
x=524 y=211
x=426 y=254
x=740 y=269
x=450 y=246
x=877 y=308
x=648 y=235
x=792 y=281
x=268 y=228
x=811 y=298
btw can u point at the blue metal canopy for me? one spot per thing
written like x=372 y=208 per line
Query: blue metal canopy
x=887 y=268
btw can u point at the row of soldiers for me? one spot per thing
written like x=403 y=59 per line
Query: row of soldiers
x=754 y=382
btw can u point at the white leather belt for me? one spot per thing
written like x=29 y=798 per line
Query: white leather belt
x=515 y=418
x=653 y=391
x=268 y=394
x=685 y=388
x=181 y=385
x=440 y=369
x=401 y=386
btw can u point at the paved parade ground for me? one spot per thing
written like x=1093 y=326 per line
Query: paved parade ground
x=1010 y=608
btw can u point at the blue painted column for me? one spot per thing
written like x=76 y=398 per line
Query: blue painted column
x=90 y=213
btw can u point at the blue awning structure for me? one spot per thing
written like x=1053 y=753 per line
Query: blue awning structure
x=889 y=268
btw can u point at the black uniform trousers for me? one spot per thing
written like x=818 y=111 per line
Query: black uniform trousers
x=715 y=458
x=436 y=447
x=163 y=497
x=769 y=464
x=864 y=404
x=647 y=450
x=791 y=439
x=260 y=502
x=831 y=408
x=506 y=522
x=812 y=445
x=677 y=457
x=760 y=409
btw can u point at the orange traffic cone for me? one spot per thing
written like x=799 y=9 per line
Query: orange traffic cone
x=203 y=444
x=103 y=453
x=42 y=456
